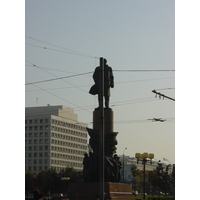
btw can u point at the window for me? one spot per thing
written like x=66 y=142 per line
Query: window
x=46 y=154
x=46 y=134
x=30 y=128
x=35 y=168
x=30 y=121
x=41 y=121
x=41 y=134
x=40 y=161
x=36 y=121
x=35 y=148
x=35 y=154
x=35 y=134
x=35 y=128
x=40 y=148
x=30 y=134
x=30 y=148
x=35 y=141
x=41 y=141
x=35 y=161
x=40 y=154
x=41 y=127
x=46 y=127
x=46 y=120
x=46 y=147
x=30 y=142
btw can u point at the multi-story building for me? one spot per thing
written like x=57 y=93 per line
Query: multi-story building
x=54 y=139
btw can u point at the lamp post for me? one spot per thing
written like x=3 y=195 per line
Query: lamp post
x=145 y=157
x=123 y=164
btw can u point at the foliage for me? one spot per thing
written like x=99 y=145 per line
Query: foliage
x=49 y=181
x=136 y=173
x=159 y=180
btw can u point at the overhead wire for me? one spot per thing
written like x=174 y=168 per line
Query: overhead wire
x=70 y=51
x=61 y=98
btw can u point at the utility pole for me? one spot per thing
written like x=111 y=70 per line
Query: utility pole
x=164 y=96
x=101 y=132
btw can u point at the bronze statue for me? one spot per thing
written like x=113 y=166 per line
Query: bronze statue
x=108 y=82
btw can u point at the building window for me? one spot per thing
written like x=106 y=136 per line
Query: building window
x=30 y=141
x=30 y=148
x=46 y=120
x=35 y=128
x=30 y=134
x=35 y=154
x=41 y=141
x=46 y=127
x=46 y=147
x=35 y=148
x=35 y=168
x=30 y=121
x=35 y=141
x=41 y=121
x=46 y=134
x=35 y=161
x=41 y=134
x=40 y=148
x=36 y=121
x=30 y=128
x=40 y=154
x=40 y=168
x=35 y=134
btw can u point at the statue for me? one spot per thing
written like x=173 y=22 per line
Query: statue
x=108 y=82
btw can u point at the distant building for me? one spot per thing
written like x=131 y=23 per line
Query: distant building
x=129 y=162
x=54 y=139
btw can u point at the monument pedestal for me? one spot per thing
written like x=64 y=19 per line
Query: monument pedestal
x=90 y=191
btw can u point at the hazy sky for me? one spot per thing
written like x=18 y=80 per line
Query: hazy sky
x=65 y=38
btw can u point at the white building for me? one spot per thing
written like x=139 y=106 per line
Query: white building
x=129 y=162
x=54 y=139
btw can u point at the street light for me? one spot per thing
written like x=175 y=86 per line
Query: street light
x=145 y=157
x=123 y=164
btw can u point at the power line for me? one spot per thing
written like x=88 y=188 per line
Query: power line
x=58 y=78
x=61 y=98
x=70 y=51
x=145 y=70
x=54 y=79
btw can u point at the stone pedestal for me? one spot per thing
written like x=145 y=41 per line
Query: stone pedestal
x=108 y=120
x=90 y=191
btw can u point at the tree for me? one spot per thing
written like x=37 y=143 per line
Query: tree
x=30 y=179
x=135 y=173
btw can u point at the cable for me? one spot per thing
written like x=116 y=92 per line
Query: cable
x=58 y=78
x=145 y=70
x=61 y=98
x=72 y=51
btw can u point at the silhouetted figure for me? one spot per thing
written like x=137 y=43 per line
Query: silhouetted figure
x=108 y=82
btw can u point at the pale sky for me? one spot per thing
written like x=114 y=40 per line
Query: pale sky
x=65 y=38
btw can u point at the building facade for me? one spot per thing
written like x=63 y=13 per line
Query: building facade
x=54 y=139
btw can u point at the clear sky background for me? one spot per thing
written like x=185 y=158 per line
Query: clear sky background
x=65 y=38
x=123 y=32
